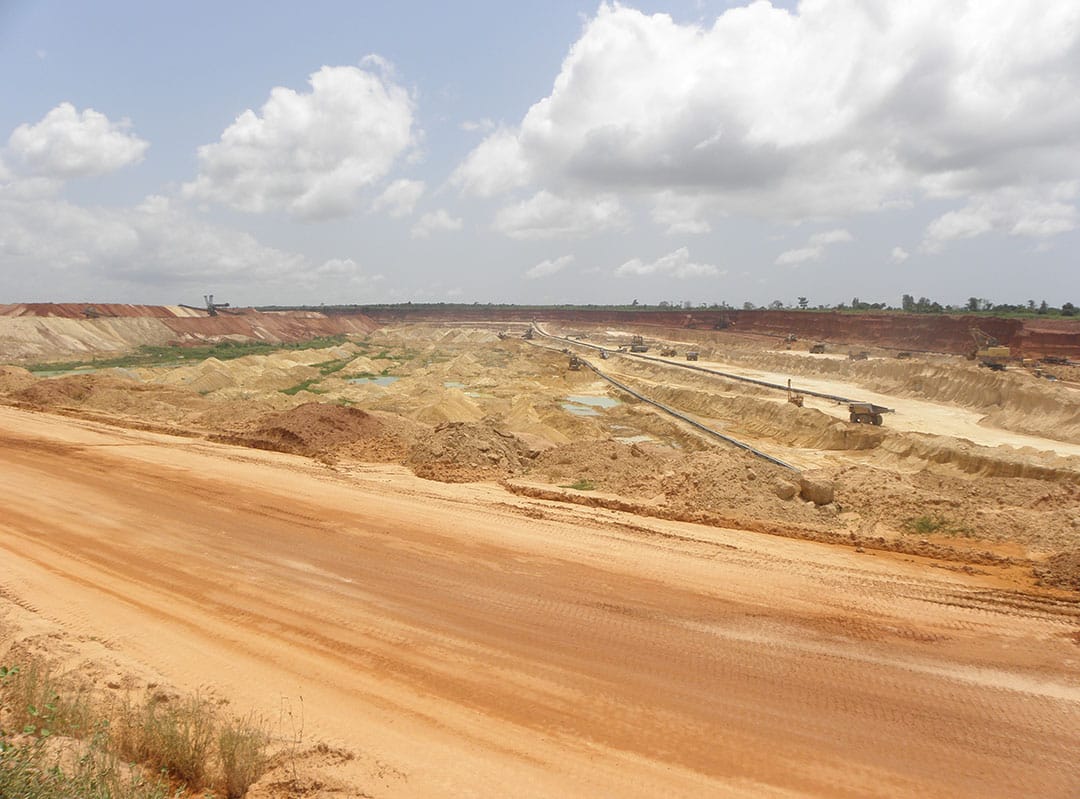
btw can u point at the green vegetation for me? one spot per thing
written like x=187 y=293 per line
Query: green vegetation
x=160 y=356
x=934 y=525
x=304 y=385
x=584 y=484
x=68 y=745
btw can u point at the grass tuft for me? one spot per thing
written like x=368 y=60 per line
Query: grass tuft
x=584 y=484
x=57 y=744
x=934 y=525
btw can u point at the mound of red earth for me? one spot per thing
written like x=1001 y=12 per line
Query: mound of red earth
x=462 y=452
x=321 y=430
x=1061 y=571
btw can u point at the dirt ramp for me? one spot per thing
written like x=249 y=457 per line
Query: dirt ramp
x=462 y=452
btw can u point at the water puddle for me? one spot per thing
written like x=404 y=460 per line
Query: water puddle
x=381 y=380
x=587 y=404
x=636 y=439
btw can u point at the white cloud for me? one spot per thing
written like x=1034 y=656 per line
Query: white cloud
x=549 y=267
x=545 y=215
x=495 y=166
x=676 y=264
x=679 y=214
x=435 y=222
x=155 y=243
x=899 y=255
x=837 y=108
x=1015 y=211
x=814 y=249
x=399 y=198
x=69 y=144
x=483 y=125
x=310 y=154
x=341 y=273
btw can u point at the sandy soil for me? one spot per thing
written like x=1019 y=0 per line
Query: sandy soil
x=441 y=563
x=453 y=640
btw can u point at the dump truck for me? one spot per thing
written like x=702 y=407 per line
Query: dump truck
x=866 y=412
x=692 y=355
x=668 y=352
x=818 y=348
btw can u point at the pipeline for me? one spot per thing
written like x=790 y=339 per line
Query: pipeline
x=672 y=412
x=706 y=370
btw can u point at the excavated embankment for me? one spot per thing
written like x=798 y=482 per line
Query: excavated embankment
x=944 y=333
x=37 y=333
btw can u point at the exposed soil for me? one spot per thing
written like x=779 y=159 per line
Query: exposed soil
x=488 y=574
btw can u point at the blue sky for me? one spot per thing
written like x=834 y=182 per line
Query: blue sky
x=539 y=153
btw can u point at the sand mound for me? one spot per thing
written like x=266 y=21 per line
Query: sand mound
x=1061 y=571
x=715 y=481
x=310 y=429
x=66 y=391
x=447 y=405
x=15 y=378
x=926 y=503
x=463 y=452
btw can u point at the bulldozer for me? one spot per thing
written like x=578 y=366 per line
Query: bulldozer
x=637 y=344
x=575 y=363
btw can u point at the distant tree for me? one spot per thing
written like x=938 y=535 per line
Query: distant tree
x=1068 y=309
x=748 y=306
x=634 y=303
x=776 y=305
x=1031 y=305
x=803 y=302
x=664 y=304
x=907 y=303
x=973 y=303
x=1043 y=307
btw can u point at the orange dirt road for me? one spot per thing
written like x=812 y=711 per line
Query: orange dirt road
x=465 y=642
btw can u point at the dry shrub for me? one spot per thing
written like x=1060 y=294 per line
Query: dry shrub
x=242 y=752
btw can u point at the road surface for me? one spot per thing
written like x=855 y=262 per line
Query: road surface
x=460 y=641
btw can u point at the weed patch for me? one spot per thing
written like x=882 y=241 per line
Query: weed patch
x=934 y=525
x=583 y=484
x=57 y=743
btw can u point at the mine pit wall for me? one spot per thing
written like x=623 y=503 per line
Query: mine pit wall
x=914 y=332
x=58 y=332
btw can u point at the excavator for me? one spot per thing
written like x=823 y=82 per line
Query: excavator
x=988 y=351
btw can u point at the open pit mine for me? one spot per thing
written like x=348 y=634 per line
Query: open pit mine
x=492 y=551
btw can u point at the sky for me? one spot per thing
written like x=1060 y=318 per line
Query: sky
x=699 y=151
